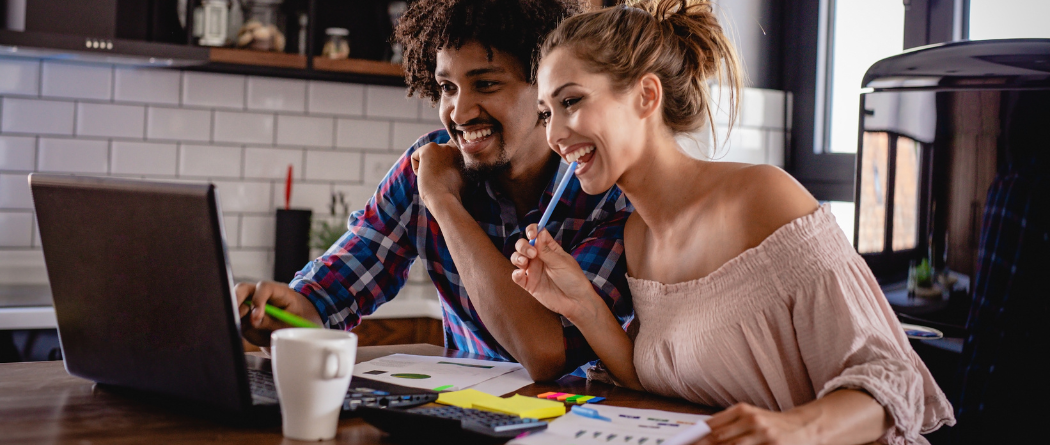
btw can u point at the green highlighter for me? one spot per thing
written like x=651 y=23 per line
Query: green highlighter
x=287 y=317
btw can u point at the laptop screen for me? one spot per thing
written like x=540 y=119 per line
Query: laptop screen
x=141 y=286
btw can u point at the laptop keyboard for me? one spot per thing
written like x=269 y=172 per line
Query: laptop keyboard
x=264 y=390
x=262 y=384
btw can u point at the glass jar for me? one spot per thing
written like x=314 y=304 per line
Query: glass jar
x=337 y=47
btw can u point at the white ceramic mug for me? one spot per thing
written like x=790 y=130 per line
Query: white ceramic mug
x=312 y=368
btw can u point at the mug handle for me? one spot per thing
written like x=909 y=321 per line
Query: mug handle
x=334 y=366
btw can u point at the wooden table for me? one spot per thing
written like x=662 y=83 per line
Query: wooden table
x=41 y=404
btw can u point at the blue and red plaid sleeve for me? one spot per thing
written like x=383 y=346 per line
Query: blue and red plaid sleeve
x=600 y=254
x=370 y=262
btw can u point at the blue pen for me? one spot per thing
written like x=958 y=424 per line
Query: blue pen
x=588 y=412
x=554 y=201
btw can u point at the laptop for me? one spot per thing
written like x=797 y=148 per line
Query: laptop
x=143 y=295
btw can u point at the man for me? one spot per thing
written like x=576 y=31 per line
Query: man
x=461 y=197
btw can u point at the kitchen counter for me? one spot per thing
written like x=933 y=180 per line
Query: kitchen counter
x=29 y=306
x=26 y=306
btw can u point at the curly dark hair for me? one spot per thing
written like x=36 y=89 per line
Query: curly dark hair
x=515 y=27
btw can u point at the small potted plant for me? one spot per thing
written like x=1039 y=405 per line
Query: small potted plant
x=326 y=231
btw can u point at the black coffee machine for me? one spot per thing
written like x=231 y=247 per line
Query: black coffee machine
x=952 y=199
x=937 y=124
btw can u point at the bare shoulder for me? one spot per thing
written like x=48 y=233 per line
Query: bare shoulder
x=766 y=198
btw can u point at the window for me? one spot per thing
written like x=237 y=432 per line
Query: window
x=862 y=33
x=1004 y=19
x=890 y=186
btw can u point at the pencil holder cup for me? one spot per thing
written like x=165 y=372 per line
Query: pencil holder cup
x=291 y=243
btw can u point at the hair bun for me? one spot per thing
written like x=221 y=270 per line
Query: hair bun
x=680 y=41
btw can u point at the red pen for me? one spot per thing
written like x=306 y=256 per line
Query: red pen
x=288 y=188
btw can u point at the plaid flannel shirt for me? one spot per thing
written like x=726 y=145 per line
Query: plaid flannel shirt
x=1006 y=331
x=369 y=264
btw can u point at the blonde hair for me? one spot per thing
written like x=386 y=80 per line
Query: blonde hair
x=679 y=41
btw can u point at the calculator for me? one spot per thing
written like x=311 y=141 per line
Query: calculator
x=449 y=422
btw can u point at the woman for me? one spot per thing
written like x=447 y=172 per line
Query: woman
x=747 y=294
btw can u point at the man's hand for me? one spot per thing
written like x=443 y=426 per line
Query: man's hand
x=438 y=169
x=256 y=326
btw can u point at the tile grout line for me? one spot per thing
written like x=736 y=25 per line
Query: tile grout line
x=335 y=133
x=112 y=83
x=76 y=107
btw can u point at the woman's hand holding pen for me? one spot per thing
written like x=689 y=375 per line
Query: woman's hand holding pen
x=553 y=277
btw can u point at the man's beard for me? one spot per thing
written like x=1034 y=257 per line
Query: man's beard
x=476 y=172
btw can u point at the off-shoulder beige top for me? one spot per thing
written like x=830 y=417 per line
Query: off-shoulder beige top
x=782 y=324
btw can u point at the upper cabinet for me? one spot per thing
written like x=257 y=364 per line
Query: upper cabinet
x=335 y=40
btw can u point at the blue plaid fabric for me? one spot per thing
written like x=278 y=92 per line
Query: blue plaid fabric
x=1003 y=390
x=369 y=264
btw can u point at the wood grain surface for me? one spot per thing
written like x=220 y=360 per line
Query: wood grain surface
x=42 y=404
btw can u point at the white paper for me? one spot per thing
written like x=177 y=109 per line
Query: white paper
x=420 y=371
x=506 y=383
x=627 y=426
x=690 y=435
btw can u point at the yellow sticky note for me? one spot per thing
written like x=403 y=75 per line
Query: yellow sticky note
x=466 y=398
x=522 y=406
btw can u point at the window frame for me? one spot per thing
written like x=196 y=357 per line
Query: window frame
x=888 y=259
x=807 y=47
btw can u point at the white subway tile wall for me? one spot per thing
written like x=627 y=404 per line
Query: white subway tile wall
x=392 y=102
x=377 y=166
x=360 y=133
x=257 y=231
x=272 y=163
x=201 y=161
x=335 y=98
x=355 y=196
x=178 y=124
x=232 y=225
x=238 y=132
x=213 y=90
x=19 y=76
x=332 y=165
x=312 y=196
x=77 y=81
x=108 y=120
x=140 y=158
x=266 y=93
x=73 y=156
x=252 y=128
x=14 y=191
x=757 y=137
x=36 y=116
x=17 y=153
x=16 y=229
x=405 y=134
x=428 y=113
x=305 y=131
x=146 y=85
